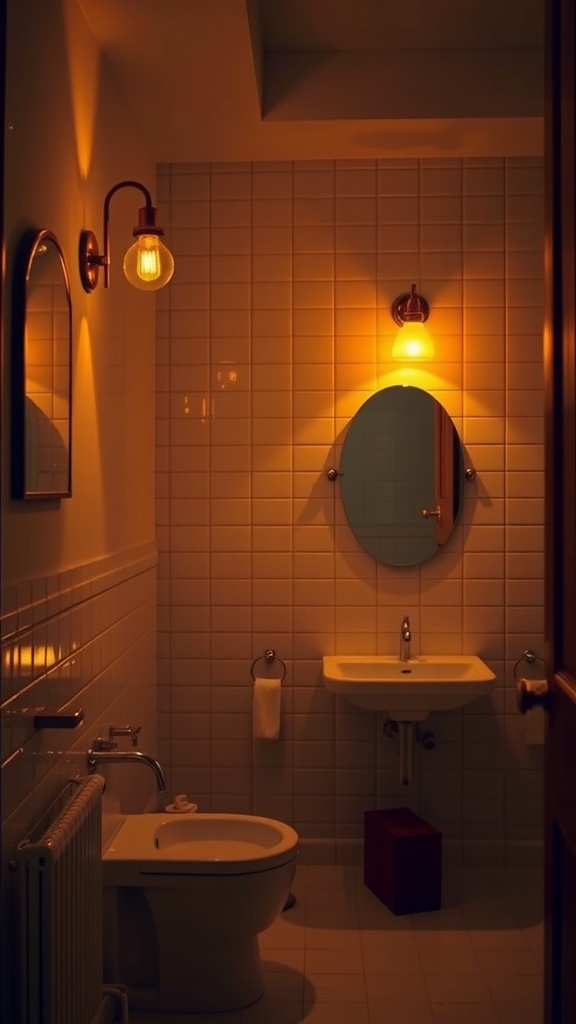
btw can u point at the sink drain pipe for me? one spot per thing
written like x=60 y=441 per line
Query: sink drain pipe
x=405 y=731
x=406 y=736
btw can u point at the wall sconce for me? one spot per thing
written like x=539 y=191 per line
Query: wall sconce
x=148 y=264
x=413 y=340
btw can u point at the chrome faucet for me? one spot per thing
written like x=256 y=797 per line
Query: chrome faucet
x=405 y=638
x=97 y=755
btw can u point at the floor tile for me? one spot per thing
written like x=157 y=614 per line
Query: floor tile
x=405 y=1011
x=503 y=939
x=374 y=915
x=449 y=960
x=514 y=988
x=349 y=988
x=397 y=986
x=336 y=1013
x=333 y=961
x=284 y=985
x=278 y=959
x=331 y=877
x=271 y=1011
x=331 y=916
x=388 y=942
x=465 y=1013
x=439 y=920
x=457 y=988
x=453 y=939
x=283 y=934
x=392 y=961
x=516 y=961
x=483 y=915
x=332 y=938
x=519 y=1013
x=341 y=899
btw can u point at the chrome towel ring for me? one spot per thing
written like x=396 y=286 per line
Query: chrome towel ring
x=531 y=684
x=528 y=657
x=269 y=657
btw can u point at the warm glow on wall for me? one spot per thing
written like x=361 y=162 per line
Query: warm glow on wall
x=84 y=64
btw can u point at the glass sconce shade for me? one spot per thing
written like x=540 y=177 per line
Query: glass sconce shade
x=413 y=340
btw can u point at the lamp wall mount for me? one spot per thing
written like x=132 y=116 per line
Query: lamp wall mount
x=409 y=307
x=89 y=260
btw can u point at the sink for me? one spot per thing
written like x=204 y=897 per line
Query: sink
x=408 y=690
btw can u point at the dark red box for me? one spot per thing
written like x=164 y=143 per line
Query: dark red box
x=403 y=860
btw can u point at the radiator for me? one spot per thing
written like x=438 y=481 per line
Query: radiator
x=61 y=910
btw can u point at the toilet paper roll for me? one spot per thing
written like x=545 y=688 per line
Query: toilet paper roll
x=536 y=686
x=266 y=709
x=534 y=727
x=528 y=689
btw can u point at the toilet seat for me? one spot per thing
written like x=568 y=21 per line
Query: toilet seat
x=201 y=844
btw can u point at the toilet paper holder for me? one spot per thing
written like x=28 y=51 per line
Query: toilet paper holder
x=269 y=657
x=531 y=691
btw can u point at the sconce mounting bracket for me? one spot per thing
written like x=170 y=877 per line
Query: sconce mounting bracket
x=89 y=260
x=402 y=313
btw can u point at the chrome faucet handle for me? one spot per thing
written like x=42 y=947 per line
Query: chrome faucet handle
x=125 y=730
x=101 y=744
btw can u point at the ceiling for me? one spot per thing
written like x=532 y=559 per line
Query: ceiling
x=313 y=79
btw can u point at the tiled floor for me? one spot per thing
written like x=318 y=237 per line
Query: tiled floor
x=340 y=957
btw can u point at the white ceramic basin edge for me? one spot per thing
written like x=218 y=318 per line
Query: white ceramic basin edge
x=408 y=690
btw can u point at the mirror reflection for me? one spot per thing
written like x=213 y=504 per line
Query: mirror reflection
x=402 y=473
x=42 y=371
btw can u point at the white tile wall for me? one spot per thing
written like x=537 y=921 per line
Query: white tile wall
x=274 y=332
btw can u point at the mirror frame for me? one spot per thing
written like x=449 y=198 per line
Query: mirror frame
x=432 y=502
x=23 y=265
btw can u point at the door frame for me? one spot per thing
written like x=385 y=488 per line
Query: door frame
x=560 y=513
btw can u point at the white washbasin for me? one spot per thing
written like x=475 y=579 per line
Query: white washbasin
x=407 y=690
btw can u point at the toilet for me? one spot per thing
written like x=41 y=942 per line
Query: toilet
x=186 y=896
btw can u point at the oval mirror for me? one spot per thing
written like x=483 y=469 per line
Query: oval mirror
x=402 y=472
x=42 y=371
